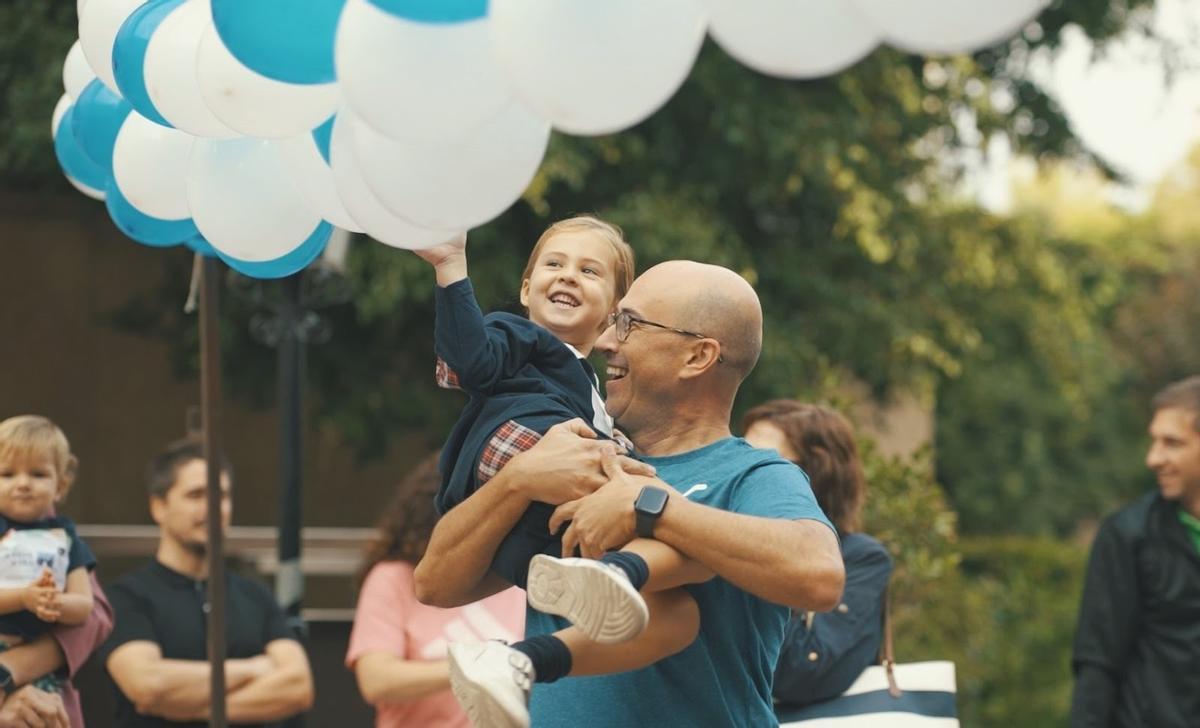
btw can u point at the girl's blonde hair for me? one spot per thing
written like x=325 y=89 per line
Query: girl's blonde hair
x=609 y=233
x=28 y=436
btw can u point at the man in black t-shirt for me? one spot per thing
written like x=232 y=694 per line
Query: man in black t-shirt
x=156 y=655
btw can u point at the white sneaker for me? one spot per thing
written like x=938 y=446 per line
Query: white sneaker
x=597 y=598
x=491 y=682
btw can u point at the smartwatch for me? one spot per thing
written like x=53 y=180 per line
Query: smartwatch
x=6 y=681
x=648 y=507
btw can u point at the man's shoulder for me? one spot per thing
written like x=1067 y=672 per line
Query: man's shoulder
x=1132 y=519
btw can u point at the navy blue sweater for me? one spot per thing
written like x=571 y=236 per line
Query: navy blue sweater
x=512 y=369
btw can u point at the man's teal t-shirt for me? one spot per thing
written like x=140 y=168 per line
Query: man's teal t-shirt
x=724 y=677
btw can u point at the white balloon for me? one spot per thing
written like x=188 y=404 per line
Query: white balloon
x=376 y=220
x=76 y=71
x=938 y=26
x=99 y=21
x=243 y=200
x=593 y=67
x=792 y=38
x=170 y=72
x=60 y=109
x=417 y=81
x=313 y=175
x=254 y=104
x=459 y=183
x=150 y=166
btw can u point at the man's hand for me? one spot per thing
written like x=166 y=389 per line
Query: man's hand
x=565 y=464
x=30 y=707
x=605 y=519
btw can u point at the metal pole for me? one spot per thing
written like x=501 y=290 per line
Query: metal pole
x=210 y=406
x=289 y=580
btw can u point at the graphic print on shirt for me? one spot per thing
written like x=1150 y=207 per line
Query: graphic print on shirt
x=23 y=553
x=473 y=624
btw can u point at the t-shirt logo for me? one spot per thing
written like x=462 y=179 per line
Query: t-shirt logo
x=695 y=489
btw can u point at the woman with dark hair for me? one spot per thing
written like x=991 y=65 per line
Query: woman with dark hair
x=398 y=645
x=824 y=653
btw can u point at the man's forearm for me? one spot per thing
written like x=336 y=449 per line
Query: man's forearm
x=464 y=542
x=280 y=693
x=794 y=563
x=180 y=689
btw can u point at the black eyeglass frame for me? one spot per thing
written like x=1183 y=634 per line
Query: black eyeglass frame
x=614 y=319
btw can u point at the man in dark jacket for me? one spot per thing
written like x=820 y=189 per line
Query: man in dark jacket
x=1137 y=649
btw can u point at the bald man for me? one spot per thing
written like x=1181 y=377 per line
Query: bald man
x=684 y=338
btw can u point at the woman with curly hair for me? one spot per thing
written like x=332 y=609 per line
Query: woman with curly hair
x=398 y=645
x=824 y=653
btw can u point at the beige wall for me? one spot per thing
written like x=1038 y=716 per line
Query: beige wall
x=64 y=268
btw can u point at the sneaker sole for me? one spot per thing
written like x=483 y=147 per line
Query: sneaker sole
x=483 y=709
x=598 y=602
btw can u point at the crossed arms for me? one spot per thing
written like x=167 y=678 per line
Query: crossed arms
x=270 y=686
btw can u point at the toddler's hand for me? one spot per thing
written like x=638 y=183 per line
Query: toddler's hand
x=46 y=578
x=36 y=598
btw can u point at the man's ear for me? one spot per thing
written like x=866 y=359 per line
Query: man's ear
x=703 y=355
x=157 y=509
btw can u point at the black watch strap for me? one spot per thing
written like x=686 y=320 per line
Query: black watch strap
x=6 y=681
x=650 y=503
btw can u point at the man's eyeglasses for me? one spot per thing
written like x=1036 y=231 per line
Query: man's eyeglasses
x=625 y=321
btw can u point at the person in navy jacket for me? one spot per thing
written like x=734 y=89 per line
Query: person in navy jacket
x=823 y=653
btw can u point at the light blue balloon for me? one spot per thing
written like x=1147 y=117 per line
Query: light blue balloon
x=284 y=266
x=99 y=114
x=323 y=136
x=129 y=55
x=281 y=39
x=199 y=245
x=74 y=162
x=139 y=226
x=436 y=11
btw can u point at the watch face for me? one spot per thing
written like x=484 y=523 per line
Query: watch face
x=651 y=501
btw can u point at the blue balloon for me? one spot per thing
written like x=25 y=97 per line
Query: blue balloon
x=284 y=266
x=129 y=55
x=281 y=39
x=74 y=162
x=199 y=245
x=139 y=226
x=323 y=136
x=99 y=114
x=434 y=11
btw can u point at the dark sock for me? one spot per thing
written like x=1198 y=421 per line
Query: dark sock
x=633 y=565
x=550 y=657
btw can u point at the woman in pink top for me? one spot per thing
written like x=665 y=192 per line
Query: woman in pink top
x=398 y=645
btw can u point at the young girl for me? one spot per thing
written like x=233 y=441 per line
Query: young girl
x=524 y=376
x=43 y=563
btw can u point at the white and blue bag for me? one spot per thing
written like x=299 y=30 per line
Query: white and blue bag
x=887 y=695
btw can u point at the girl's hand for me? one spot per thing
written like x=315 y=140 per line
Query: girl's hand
x=442 y=253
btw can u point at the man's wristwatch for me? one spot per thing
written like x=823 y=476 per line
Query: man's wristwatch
x=6 y=681
x=648 y=507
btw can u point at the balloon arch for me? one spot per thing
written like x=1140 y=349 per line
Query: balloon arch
x=249 y=129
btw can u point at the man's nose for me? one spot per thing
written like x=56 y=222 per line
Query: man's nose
x=607 y=343
x=1154 y=457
